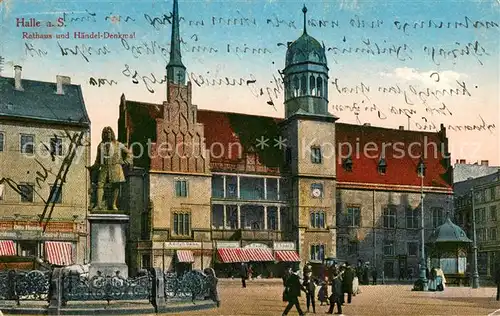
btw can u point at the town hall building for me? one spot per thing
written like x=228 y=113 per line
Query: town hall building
x=220 y=188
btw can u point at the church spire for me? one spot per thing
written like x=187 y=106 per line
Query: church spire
x=176 y=71
x=304 y=10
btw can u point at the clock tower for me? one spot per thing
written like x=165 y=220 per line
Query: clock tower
x=310 y=152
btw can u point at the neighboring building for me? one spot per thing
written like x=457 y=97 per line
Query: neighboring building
x=237 y=187
x=464 y=171
x=486 y=207
x=38 y=121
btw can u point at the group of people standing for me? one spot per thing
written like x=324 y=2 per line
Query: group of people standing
x=339 y=279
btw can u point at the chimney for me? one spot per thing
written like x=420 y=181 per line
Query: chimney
x=60 y=81
x=17 y=77
x=462 y=161
x=367 y=124
x=401 y=128
x=484 y=162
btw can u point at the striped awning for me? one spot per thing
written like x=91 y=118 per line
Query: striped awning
x=185 y=256
x=287 y=255
x=7 y=248
x=60 y=253
x=258 y=254
x=231 y=255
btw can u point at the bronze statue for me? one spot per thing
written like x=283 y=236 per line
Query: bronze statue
x=111 y=155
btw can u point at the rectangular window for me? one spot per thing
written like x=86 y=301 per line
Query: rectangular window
x=182 y=224
x=181 y=189
x=493 y=234
x=272 y=189
x=272 y=218
x=437 y=216
x=318 y=219
x=2 y=191
x=146 y=261
x=412 y=248
x=492 y=192
x=2 y=141
x=217 y=216
x=352 y=248
x=56 y=146
x=231 y=217
x=317 y=252
x=388 y=248
x=27 y=144
x=231 y=187
x=56 y=195
x=251 y=188
x=411 y=218
x=217 y=186
x=145 y=229
x=389 y=215
x=483 y=215
x=26 y=192
x=353 y=216
x=316 y=154
x=493 y=213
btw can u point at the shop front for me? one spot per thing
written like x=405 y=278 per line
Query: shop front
x=228 y=258
x=182 y=255
x=261 y=260
x=286 y=257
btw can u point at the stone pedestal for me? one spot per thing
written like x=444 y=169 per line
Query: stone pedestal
x=108 y=240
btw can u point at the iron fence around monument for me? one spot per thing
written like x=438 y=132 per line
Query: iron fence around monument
x=23 y=285
x=78 y=287
x=190 y=286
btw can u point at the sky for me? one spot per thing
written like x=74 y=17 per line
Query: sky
x=416 y=64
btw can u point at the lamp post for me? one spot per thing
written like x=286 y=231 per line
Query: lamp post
x=475 y=274
x=423 y=270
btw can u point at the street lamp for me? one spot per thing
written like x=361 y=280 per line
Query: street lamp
x=423 y=270
x=475 y=274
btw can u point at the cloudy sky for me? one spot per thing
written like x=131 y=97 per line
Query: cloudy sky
x=415 y=64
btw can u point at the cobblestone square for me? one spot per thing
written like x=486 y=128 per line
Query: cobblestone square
x=263 y=297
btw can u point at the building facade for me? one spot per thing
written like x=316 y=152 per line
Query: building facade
x=218 y=188
x=44 y=151
x=481 y=196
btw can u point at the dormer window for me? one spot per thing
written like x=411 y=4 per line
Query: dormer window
x=347 y=164
x=382 y=166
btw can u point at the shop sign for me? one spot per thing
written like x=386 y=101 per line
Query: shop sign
x=228 y=244
x=58 y=235
x=256 y=245
x=182 y=245
x=284 y=245
x=8 y=234
x=28 y=227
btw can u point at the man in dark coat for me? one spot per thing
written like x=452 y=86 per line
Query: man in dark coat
x=337 y=296
x=347 y=280
x=310 y=286
x=243 y=274
x=293 y=289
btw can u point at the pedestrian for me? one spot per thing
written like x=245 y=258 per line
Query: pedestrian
x=497 y=279
x=347 y=282
x=244 y=274
x=374 y=276
x=292 y=293
x=337 y=296
x=323 y=292
x=310 y=286
x=307 y=271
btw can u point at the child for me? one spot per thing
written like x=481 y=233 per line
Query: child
x=323 y=292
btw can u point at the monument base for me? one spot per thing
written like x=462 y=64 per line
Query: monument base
x=108 y=269
x=108 y=239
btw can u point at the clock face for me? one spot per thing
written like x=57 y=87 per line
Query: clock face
x=316 y=192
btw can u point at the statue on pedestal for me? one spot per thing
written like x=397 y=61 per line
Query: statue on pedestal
x=111 y=156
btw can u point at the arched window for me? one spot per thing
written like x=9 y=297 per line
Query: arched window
x=303 y=85
x=296 y=87
x=319 y=90
x=312 y=86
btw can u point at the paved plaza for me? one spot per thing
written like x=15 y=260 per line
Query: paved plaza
x=263 y=297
